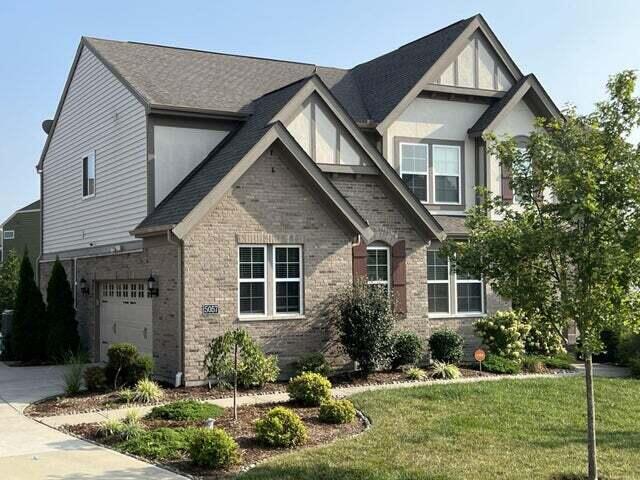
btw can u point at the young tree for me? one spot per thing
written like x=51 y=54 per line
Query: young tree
x=570 y=250
x=9 y=270
x=62 y=327
x=28 y=332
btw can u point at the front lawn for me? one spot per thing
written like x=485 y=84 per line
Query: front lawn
x=527 y=429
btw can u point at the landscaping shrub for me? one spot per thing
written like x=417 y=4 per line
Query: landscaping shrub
x=314 y=363
x=447 y=371
x=258 y=369
x=562 y=361
x=213 y=448
x=160 y=443
x=533 y=363
x=310 y=389
x=543 y=339
x=415 y=373
x=498 y=364
x=407 y=349
x=610 y=347
x=126 y=395
x=95 y=379
x=186 y=410
x=73 y=374
x=126 y=366
x=364 y=319
x=62 y=327
x=446 y=346
x=281 y=427
x=127 y=428
x=503 y=333
x=629 y=348
x=109 y=428
x=337 y=411
x=147 y=391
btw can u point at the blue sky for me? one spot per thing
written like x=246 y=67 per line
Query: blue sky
x=572 y=46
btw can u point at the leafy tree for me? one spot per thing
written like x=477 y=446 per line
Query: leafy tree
x=570 y=250
x=9 y=270
x=62 y=327
x=28 y=333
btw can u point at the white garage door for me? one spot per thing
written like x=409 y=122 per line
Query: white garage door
x=125 y=316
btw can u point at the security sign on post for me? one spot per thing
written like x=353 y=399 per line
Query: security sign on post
x=479 y=355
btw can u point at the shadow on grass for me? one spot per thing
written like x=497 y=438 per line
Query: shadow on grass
x=332 y=472
x=629 y=440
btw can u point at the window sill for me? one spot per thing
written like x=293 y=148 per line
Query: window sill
x=457 y=315
x=271 y=318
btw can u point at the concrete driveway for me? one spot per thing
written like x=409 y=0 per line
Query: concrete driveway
x=30 y=450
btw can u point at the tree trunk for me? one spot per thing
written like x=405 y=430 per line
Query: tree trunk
x=591 y=418
x=235 y=382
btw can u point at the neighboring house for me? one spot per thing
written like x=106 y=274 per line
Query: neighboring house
x=250 y=190
x=21 y=231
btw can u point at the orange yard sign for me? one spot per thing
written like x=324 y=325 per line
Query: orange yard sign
x=479 y=355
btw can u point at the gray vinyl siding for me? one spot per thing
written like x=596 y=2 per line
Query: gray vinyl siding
x=99 y=114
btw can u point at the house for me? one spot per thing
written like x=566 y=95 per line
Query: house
x=21 y=232
x=189 y=192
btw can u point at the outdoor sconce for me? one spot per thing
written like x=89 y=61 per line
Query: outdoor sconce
x=84 y=288
x=152 y=287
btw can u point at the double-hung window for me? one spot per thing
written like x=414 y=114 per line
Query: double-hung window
x=251 y=278
x=413 y=168
x=469 y=295
x=378 y=266
x=437 y=282
x=89 y=175
x=288 y=279
x=446 y=174
x=9 y=234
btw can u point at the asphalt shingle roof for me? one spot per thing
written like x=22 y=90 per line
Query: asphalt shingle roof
x=32 y=206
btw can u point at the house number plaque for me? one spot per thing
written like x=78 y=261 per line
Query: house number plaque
x=210 y=309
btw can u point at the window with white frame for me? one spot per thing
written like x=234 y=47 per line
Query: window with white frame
x=287 y=279
x=378 y=266
x=447 y=174
x=9 y=234
x=89 y=175
x=437 y=282
x=413 y=168
x=469 y=295
x=251 y=278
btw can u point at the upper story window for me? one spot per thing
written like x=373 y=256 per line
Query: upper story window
x=9 y=234
x=89 y=175
x=446 y=174
x=378 y=266
x=414 y=168
x=507 y=192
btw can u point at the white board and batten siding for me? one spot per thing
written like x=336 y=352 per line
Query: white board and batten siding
x=99 y=115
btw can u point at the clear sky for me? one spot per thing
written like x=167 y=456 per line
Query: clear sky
x=572 y=46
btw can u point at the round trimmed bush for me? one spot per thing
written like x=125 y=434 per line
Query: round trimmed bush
x=407 y=349
x=337 y=411
x=498 y=364
x=126 y=366
x=310 y=389
x=281 y=427
x=213 y=448
x=95 y=379
x=186 y=410
x=446 y=346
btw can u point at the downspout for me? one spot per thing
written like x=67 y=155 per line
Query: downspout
x=180 y=374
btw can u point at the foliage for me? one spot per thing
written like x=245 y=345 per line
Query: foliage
x=415 y=373
x=95 y=379
x=62 y=327
x=213 y=448
x=186 y=410
x=533 y=363
x=634 y=365
x=364 y=319
x=310 y=389
x=313 y=362
x=147 y=391
x=29 y=328
x=503 y=333
x=447 y=371
x=337 y=411
x=629 y=347
x=562 y=361
x=109 y=428
x=254 y=367
x=126 y=366
x=610 y=339
x=497 y=364
x=125 y=429
x=126 y=395
x=73 y=375
x=407 y=349
x=281 y=427
x=160 y=443
x=446 y=346
x=9 y=275
x=542 y=338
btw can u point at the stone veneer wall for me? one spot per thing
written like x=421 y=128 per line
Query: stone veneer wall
x=158 y=256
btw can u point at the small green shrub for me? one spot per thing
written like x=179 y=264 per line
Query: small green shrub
x=132 y=417
x=498 y=364
x=95 y=379
x=73 y=374
x=213 y=448
x=447 y=371
x=310 y=389
x=127 y=428
x=415 y=373
x=562 y=361
x=314 y=363
x=634 y=365
x=126 y=395
x=126 y=366
x=159 y=444
x=503 y=333
x=258 y=370
x=629 y=348
x=407 y=349
x=109 y=428
x=186 y=410
x=281 y=427
x=337 y=411
x=147 y=391
x=533 y=363
x=446 y=346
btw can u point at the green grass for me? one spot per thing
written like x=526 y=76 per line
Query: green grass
x=511 y=429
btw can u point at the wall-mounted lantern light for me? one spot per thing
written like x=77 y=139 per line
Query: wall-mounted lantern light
x=152 y=286
x=84 y=288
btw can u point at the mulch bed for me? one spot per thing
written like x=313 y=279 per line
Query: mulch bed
x=243 y=432
x=91 y=402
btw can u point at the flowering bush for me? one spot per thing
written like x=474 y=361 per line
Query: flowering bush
x=543 y=339
x=503 y=333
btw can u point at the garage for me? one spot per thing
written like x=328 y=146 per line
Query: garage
x=125 y=316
